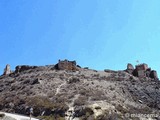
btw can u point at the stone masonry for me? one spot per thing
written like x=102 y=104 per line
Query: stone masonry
x=66 y=65
x=142 y=71
x=130 y=68
x=7 y=70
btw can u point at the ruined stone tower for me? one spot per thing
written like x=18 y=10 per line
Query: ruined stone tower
x=7 y=70
x=142 y=71
x=66 y=65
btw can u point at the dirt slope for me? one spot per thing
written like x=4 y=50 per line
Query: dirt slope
x=79 y=95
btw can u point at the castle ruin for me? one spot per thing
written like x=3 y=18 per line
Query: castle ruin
x=142 y=71
x=7 y=70
x=66 y=65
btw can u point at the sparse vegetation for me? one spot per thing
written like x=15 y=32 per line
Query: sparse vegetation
x=96 y=75
x=80 y=101
x=121 y=109
x=112 y=88
x=51 y=117
x=37 y=88
x=40 y=104
x=85 y=114
x=73 y=80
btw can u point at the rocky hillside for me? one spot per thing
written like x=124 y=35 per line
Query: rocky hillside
x=76 y=93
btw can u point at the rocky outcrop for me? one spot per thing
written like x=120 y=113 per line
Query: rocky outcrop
x=24 y=68
x=7 y=70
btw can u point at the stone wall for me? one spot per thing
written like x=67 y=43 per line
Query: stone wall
x=142 y=67
x=66 y=65
x=130 y=66
x=153 y=74
x=141 y=71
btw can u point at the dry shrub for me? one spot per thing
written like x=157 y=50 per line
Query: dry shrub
x=73 y=80
x=40 y=101
x=80 y=101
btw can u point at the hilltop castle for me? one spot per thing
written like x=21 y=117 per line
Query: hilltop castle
x=140 y=70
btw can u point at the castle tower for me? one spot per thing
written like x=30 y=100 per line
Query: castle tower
x=7 y=70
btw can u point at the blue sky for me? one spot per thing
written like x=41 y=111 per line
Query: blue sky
x=100 y=34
